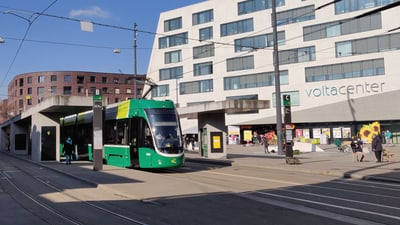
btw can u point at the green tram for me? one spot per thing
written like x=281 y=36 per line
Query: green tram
x=137 y=133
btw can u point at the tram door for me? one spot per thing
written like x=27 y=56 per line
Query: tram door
x=48 y=143
x=134 y=128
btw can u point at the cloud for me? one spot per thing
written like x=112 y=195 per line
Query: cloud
x=93 y=11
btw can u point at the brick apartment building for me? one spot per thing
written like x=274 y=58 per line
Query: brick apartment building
x=28 y=89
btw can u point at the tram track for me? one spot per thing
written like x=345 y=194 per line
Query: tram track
x=22 y=195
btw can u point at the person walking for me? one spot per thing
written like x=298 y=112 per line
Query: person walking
x=388 y=137
x=265 y=143
x=377 y=147
x=68 y=150
x=356 y=147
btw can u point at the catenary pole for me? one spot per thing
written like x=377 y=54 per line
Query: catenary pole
x=277 y=79
x=135 y=60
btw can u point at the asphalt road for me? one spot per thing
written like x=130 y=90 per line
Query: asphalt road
x=194 y=194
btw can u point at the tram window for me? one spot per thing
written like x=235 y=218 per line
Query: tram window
x=122 y=132
x=109 y=133
x=148 y=139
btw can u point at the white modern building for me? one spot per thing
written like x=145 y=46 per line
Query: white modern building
x=340 y=66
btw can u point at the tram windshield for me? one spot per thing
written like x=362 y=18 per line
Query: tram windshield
x=166 y=130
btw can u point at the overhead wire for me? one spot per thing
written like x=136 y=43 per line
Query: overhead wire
x=30 y=21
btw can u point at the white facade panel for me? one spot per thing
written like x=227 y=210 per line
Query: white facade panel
x=319 y=96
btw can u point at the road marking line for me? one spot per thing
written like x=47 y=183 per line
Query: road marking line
x=317 y=212
x=330 y=205
x=255 y=178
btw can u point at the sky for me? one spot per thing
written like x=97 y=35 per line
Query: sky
x=46 y=35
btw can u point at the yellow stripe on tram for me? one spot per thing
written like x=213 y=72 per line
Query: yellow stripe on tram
x=123 y=109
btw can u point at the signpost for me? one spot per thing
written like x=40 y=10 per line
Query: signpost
x=97 y=131
x=289 y=127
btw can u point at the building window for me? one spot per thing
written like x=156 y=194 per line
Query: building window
x=92 y=79
x=295 y=15
x=40 y=90
x=21 y=91
x=389 y=42
x=305 y=54
x=343 y=27
x=116 y=91
x=21 y=103
x=93 y=90
x=237 y=27
x=173 y=40
x=258 y=42
x=53 y=78
x=29 y=91
x=171 y=73
x=346 y=6
x=53 y=89
x=244 y=97
x=116 y=80
x=202 y=69
x=193 y=87
x=255 y=80
x=67 y=78
x=104 y=80
x=160 y=91
x=40 y=79
x=21 y=82
x=29 y=80
x=81 y=90
x=129 y=91
x=29 y=101
x=173 y=57
x=374 y=67
x=203 y=17
x=173 y=24
x=203 y=51
x=206 y=33
x=80 y=79
x=250 y=6
x=240 y=63
x=67 y=90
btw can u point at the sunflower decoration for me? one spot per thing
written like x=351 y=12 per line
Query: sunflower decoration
x=367 y=131
x=376 y=128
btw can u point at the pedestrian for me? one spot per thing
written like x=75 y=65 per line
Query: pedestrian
x=68 y=150
x=356 y=147
x=265 y=143
x=377 y=147
x=388 y=137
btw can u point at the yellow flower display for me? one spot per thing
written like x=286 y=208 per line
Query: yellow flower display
x=376 y=128
x=367 y=131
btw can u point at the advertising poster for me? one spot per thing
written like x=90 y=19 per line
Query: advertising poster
x=326 y=131
x=346 y=132
x=247 y=135
x=306 y=133
x=299 y=132
x=316 y=132
x=337 y=132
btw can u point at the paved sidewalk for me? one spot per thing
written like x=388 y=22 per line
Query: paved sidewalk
x=330 y=162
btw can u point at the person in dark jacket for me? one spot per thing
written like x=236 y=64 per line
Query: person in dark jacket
x=68 y=150
x=356 y=146
x=377 y=147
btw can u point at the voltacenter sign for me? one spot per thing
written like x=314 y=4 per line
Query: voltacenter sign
x=351 y=89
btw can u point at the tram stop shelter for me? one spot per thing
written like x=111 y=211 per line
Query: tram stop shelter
x=211 y=122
